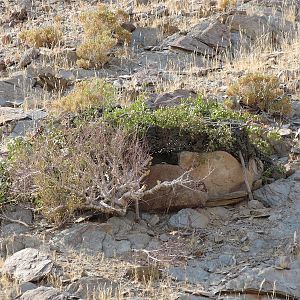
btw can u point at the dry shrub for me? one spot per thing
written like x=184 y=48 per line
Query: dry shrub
x=49 y=36
x=102 y=31
x=94 y=166
x=86 y=94
x=226 y=4
x=260 y=91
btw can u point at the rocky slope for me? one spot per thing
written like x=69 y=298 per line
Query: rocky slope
x=249 y=249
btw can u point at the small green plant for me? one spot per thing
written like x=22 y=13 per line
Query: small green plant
x=85 y=96
x=102 y=31
x=4 y=181
x=260 y=91
x=49 y=36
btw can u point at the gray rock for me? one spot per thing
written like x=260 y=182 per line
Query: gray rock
x=14 y=89
x=227 y=260
x=120 y=225
x=19 y=213
x=8 y=114
x=206 y=38
x=146 y=37
x=255 y=204
x=111 y=247
x=87 y=286
x=28 y=56
x=278 y=192
x=87 y=237
x=189 y=274
x=12 y=228
x=45 y=293
x=17 y=242
x=26 y=286
x=28 y=265
x=270 y=280
x=139 y=240
x=189 y=218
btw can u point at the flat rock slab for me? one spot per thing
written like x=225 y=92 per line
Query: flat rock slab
x=28 y=265
x=45 y=293
x=276 y=282
x=8 y=114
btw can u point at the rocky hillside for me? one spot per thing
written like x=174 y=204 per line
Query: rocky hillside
x=150 y=149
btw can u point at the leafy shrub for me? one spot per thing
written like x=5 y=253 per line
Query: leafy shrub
x=93 y=166
x=193 y=116
x=103 y=31
x=49 y=36
x=262 y=92
x=86 y=95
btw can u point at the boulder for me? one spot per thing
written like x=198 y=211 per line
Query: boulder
x=28 y=265
x=252 y=26
x=170 y=198
x=220 y=171
x=206 y=38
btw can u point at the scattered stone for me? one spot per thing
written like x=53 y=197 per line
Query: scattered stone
x=189 y=218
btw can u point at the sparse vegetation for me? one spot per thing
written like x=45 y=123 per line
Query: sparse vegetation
x=260 y=91
x=94 y=166
x=49 y=36
x=103 y=31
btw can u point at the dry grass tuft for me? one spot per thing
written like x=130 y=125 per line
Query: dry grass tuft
x=49 y=36
x=260 y=91
x=103 y=31
x=226 y=4
x=86 y=94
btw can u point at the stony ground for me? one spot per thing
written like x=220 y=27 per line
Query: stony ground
x=249 y=250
